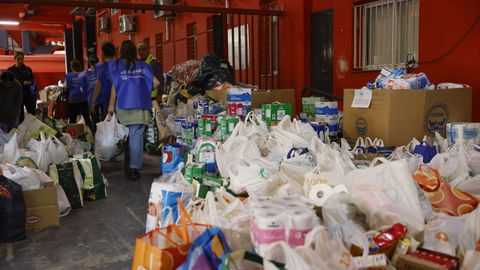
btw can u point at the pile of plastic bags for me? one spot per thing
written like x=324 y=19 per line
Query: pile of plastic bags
x=282 y=198
x=35 y=153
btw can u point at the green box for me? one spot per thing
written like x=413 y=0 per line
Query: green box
x=274 y=113
x=308 y=105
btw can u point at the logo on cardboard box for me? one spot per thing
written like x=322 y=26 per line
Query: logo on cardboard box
x=436 y=119
x=361 y=126
x=33 y=219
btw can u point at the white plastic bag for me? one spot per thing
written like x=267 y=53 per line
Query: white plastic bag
x=28 y=178
x=471 y=261
x=57 y=151
x=109 y=133
x=226 y=211
x=330 y=251
x=294 y=170
x=10 y=151
x=246 y=175
x=338 y=216
x=44 y=155
x=441 y=142
x=471 y=186
x=283 y=253
x=453 y=163
x=470 y=233
x=64 y=206
x=442 y=232
x=387 y=195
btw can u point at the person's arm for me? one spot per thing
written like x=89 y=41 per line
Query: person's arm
x=113 y=97
x=29 y=80
x=96 y=93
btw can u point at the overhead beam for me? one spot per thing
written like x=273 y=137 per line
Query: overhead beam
x=34 y=26
x=49 y=18
x=154 y=7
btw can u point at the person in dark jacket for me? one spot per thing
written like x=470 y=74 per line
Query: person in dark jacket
x=77 y=98
x=24 y=75
x=11 y=102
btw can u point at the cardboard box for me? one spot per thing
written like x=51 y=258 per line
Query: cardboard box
x=79 y=129
x=396 y=116
x=259 y=97
x=42 y=207
x=423 y=259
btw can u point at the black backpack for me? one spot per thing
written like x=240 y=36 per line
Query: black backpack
x=12 y=211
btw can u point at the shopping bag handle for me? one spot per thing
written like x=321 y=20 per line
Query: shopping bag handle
x=378 y=159
x=429 y=186
x=184 y=218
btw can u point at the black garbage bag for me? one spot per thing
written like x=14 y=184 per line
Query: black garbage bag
x=212 y=70
x=12 y=211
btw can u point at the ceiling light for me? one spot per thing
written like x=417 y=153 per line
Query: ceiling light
x=9 y=23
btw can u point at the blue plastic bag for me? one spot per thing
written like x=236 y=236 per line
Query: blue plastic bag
x=207 y=251
x=426 y=150
x=172 y=158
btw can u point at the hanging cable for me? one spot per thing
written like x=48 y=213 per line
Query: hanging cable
x=456 y=44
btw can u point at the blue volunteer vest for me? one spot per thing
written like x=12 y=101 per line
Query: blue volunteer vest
x=101 y=72
x=75 y=93
x=133 y=85
x=88 y=81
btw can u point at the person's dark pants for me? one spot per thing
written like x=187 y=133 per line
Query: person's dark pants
x=82 y=109
x=101 y=112
x=30 y=103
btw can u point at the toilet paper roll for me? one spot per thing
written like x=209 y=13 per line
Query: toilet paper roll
x=269 y=220
x=320 y=193
x=301 y=220
x=260 y=211
x=293 y=205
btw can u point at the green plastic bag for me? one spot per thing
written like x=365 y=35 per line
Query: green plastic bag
x=94 y=187
x=151 y=139
x=69 y=177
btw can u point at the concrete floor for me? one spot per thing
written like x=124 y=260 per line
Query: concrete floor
x=101 y=235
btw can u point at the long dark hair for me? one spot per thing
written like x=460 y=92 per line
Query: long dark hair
x=128 y=52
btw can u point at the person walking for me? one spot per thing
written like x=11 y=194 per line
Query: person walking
x=11 y=102
x=130 y=98
x=77 y=99
x=103 y=85
x=87 y=82
x=24 y=75
x=145 y=55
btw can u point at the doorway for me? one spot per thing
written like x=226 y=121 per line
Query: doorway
x=321 y=51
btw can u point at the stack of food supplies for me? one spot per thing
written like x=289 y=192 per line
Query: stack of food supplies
x=398 y=79
x=280 y=197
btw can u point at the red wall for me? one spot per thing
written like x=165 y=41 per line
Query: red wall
x=292 y=37
x=442 y=24
x=47 y=68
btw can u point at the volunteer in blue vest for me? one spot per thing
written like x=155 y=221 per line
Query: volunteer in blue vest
x=103 y=85
x=145 y=55
x=87 y=82
x=132 y=84
x=77 y=98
